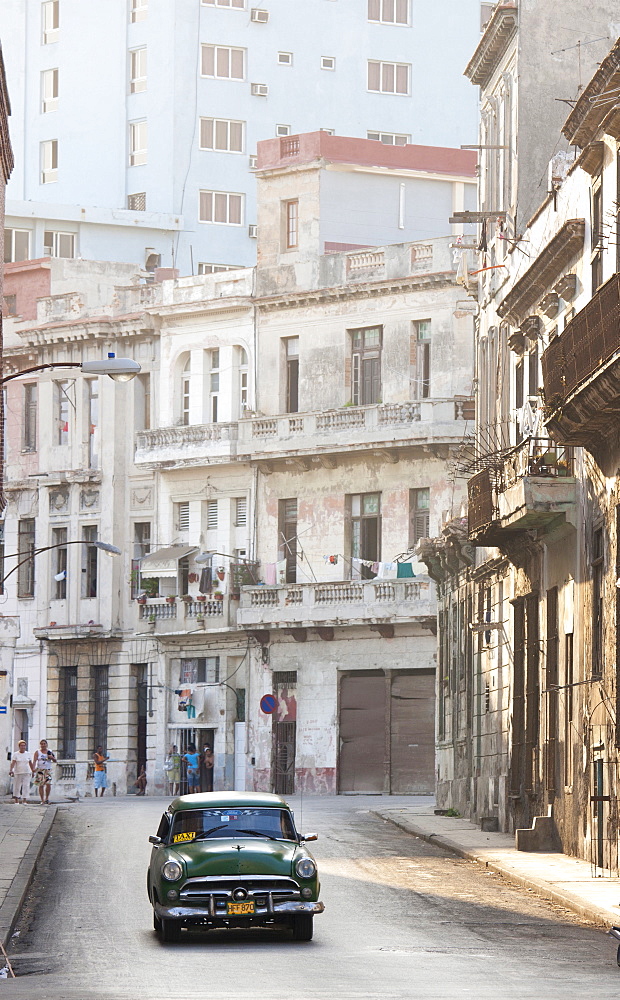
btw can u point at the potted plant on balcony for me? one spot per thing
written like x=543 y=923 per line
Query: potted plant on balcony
x=150 y=587
x=187 y=598
x=171 y=599
x=201 y=597
x=141 y=598
x=218 y=595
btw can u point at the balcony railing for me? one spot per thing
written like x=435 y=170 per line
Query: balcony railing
x=305 y=604
x=181 y=614
x=190 y=442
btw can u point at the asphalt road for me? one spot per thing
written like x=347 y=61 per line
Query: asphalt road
x=403 y=919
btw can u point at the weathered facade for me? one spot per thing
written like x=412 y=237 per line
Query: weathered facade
x=267 y=477
x=528 y=658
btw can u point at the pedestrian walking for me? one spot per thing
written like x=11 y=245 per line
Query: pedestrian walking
x=141 y=781
x=43 y=762
x=21 y=770
x=192 y=760
x=172 y=767
x=100 y=779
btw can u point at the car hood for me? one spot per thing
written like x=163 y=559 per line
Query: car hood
x=237 y=857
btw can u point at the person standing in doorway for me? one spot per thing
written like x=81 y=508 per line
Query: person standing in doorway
x=43 y=761
x=172 y=767
x=192 y=760
x=100 y=780
x=21 y=770
x=207 y=762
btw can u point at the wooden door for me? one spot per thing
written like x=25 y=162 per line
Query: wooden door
x=412 y=733
x=362 y=733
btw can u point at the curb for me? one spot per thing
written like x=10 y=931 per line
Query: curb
x=14 y=899
x=594 y=914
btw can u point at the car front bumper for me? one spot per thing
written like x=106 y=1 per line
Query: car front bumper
x=287 y=908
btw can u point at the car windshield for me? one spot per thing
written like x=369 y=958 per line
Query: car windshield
x=207 y=824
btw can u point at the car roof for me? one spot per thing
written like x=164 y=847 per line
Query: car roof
x=227 y=800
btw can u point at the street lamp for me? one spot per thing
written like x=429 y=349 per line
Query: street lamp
x=119 y=369
x=104 y=546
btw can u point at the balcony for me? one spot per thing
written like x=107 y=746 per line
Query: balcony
x=581 y=373
x=354 y=428
x=304 y=605
x=532 y=487
x=194 y=444
x=160 y=615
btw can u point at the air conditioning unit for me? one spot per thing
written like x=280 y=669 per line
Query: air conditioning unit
x=253 y=232
x=260 y=90
x=253 y=161
x=260 y=16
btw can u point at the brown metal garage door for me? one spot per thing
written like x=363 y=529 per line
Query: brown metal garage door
x=362 y=733
x=408 y=722
x=413 y=733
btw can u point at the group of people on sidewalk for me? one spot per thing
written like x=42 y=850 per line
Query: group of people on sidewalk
x=198 y=769
x=24 y=767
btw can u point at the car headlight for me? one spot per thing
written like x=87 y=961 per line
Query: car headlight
x=172 y=871
x=305 y=868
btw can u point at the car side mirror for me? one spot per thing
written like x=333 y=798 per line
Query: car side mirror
x=155 y=841
x=310 y=836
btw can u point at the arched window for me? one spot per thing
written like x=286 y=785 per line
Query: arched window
x=244 y=384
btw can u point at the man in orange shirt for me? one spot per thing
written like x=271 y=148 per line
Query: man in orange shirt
x=100 y=781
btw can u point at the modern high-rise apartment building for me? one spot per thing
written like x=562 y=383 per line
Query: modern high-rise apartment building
x=135 y=122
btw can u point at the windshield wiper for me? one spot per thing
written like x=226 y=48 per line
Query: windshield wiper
x=257 y=833
x=206 y=833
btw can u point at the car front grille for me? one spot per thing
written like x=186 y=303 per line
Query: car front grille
x=214 y=893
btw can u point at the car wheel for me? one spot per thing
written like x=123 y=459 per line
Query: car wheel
x=156 y=923
x=303 y=927
x=170 y=930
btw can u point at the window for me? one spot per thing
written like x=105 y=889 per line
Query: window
x=59 y=564
x=200 y=670
x=366 y=366
x=241 y=512
x=237 y=4
x=182 y=512
x=328 y=62
x=58 y=244
x=16 y=245
x=244 y=397
x=422 y=337
x=388 y=11
x=221 y=134
x=89 y=561
x=25 y=548
x=92 y=416
x=291 y=219
x=216 y=268
x=50 y=14
x=141 y=548
x=285 y=58
x=283 y=130
x=211 y=515
x=419 y=515
x=67 y=722
x=137 y=143
x=388 y=78
x=365 y=532
x=223 y=62
x=214 y=385
x=29 y=436
x=137 y=70
x=597 y=236
x=142 y=401
x=49 y=90
x=137 y=202
x=597 y=570
x=185 y=392
x=62 y=403
x=287 y=539
x=100 y=690
x=49 y=161
x=139 y=10
x=10 y=305
x=221 y=207
x=389 y=138
x=291 y=347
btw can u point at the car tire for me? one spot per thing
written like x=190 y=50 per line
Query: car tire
x=303 y=927
x=170 y=931
x=156 y=923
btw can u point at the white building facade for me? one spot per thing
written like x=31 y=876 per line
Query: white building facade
x=174 y=96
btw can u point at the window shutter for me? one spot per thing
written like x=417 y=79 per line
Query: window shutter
x=183 y=511
x=241 y=511
x=211 y=514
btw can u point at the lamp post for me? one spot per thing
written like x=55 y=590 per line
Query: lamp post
x=104 y=546
x=119 y=369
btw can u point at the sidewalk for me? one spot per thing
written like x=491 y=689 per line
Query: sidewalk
x=567 y=881
x=23 y=832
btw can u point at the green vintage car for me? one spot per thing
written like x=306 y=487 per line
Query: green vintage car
x=231 y=859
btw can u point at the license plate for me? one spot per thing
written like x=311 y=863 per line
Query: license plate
x=240 y=909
